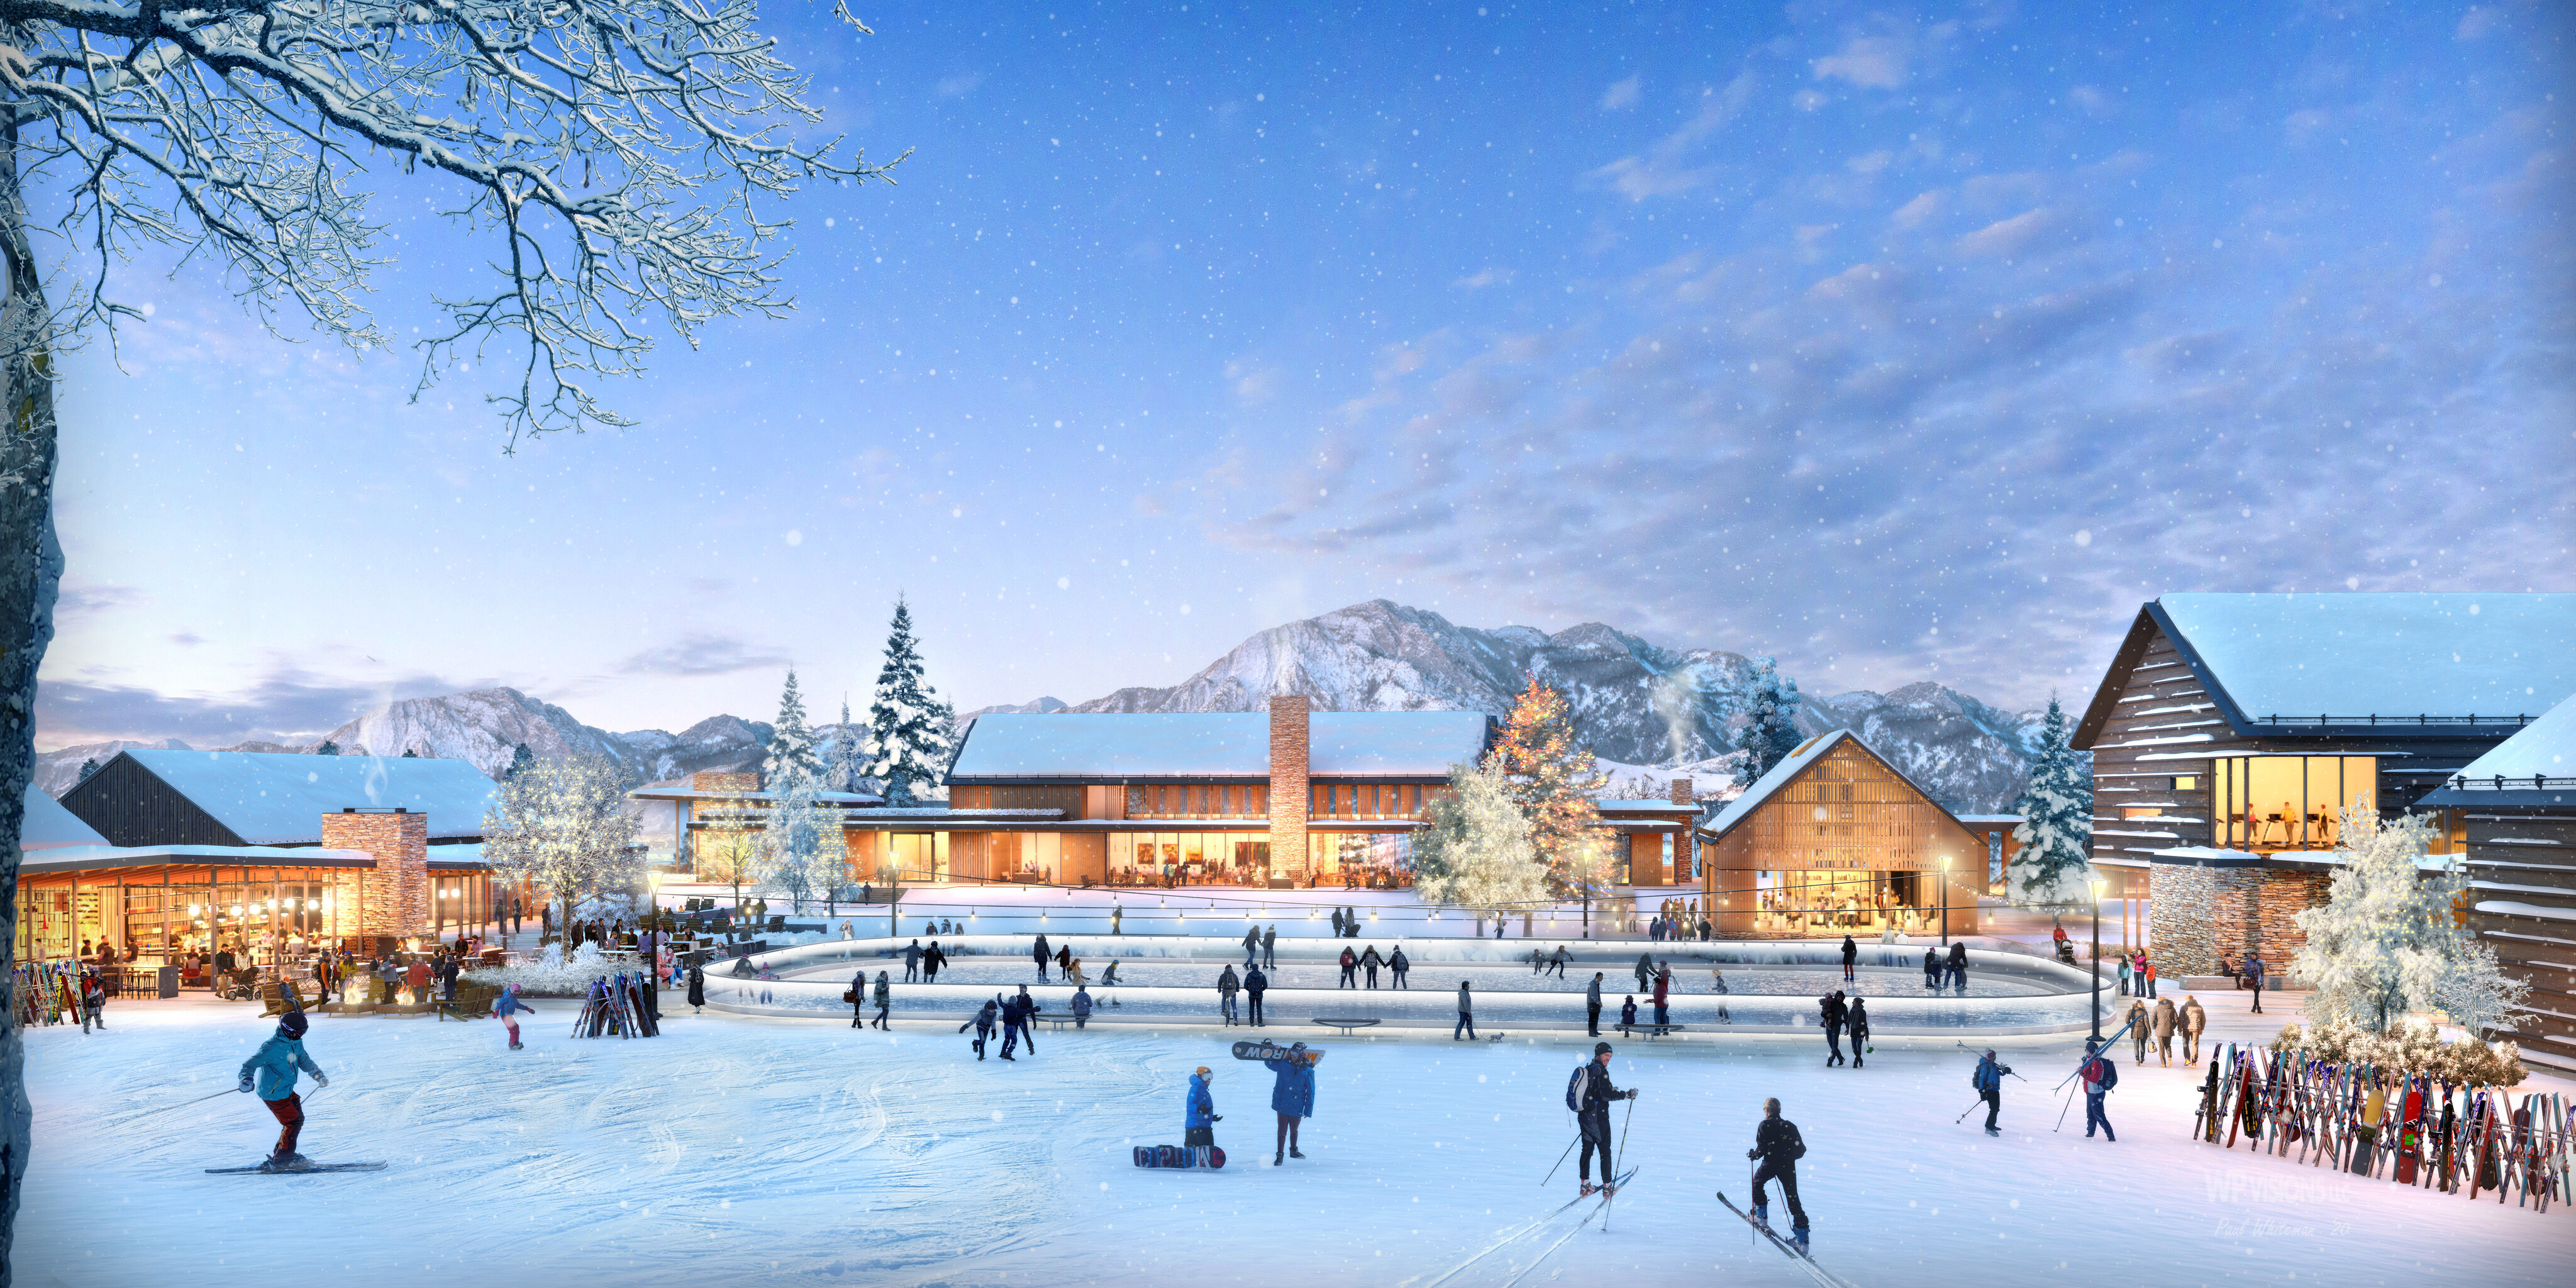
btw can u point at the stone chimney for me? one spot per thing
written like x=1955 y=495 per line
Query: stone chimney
x=397 y=892
x=1682 y=794
x=1288 y=791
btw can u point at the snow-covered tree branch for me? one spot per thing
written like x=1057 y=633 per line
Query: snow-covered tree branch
x=561 y=824
x=1475 y=851
x=2389 y=938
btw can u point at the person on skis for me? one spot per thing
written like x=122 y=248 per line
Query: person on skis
x=1589 y=1094
x=1989 y=1082
x=275 y=1064
x=2100 y=1075
x=1777 y=1144
x=506 y=1008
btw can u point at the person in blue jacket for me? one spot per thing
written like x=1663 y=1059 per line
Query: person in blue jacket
x=507 y=1008
x=1199 y=1126
x=275 y=1063
x=1292 y=1097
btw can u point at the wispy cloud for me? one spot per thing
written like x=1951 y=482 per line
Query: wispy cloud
x=288 y=703
x=1621 y=94
x=1484 y=277
x=1669 y=165
x=702 y=654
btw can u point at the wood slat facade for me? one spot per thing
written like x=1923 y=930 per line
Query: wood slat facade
x=2526 y=855
x=130 y=805
x=1848 y=822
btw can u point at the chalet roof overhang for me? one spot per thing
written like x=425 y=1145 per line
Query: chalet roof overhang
x=115 y=858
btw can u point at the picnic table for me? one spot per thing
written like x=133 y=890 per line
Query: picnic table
x=1346 y=1025
x=1651 y=1030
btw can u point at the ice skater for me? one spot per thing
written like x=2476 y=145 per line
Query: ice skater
x=506 y=1008
x=1859 y=1027
x=982 y=1023
x=1198 y=1125
x=1717 y=985
x=859 y=999
x=1226 y=987
x=1399 y=965
x=275 y=1064
x=2100 y=1075
x=1835 y=1012
x=1038 y=953
x=1254 y=985
x=1292 y=1097
x=1989 y=1082
x=1589 y=1094
x=1851 y=955
x=1777 y=1144
x=885 y=1004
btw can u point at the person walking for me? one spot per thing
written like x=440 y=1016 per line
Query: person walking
x=885 y=1003
x=1369 y=962
x=1859 y=1026
x=1589 y=1094
x=506 y=1009
x=2254 y=980
x=2141 y=1026
x=1851 y=956
x=1226 y=986
x=1292 y=1097
x=1081 y=1007
x=2164 y=1025
x=932 y=961
x=1397 y=964
x=912 y=961
x=1251 y=946
x=1199 y=1115
x=697 y=989
x=1717 y=985
x=1350 y=969
x=2194 y=1020
x=1270 y=947
x=984 y=1020
x=1834 y=1012
x=275 y=1063
x=1989 y=1082
x=1064 y=960
x=1466 y=1014
x=1959 y=966
x=1778 y=1147
x=1255 y=983
x=1663 y=994
x=1038 y=953
x=858 y=999
x=1592 y=1006
x=2100 y=1075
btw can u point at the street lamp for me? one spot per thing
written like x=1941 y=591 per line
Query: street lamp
x=2098 y=883
x=1945 y=901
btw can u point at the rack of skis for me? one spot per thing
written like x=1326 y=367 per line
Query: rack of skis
x=616 y=1007
x=2407 y=1128
x=46 y=993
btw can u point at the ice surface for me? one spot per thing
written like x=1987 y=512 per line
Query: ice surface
x=744 y=1151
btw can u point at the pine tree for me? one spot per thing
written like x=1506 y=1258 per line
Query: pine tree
x=328 y=748
x=1474 y=851
x=520 y=759
x=1554 y=781
x=411 y=753
x=2389 y=938
x=2055 y=862
x=843 y=774
x=909 y=728
x=1770 y=729
x=88 y=767
x=791 y=743
x=795 y=849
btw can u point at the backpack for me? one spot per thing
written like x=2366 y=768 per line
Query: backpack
x=1986 y=1078
x=1574 y=1088
x=2103 y=1078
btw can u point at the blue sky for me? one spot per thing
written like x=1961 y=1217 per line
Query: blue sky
x=1901 y=343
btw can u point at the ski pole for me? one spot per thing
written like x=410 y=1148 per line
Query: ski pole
x=182 y=1104
x=1560 y=1159
x=1963 y=1116
x=1623 y=1153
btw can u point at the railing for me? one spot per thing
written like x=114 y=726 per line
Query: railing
x=2535 y=782
x=2396 y=722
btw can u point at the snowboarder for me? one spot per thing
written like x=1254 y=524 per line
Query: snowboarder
x=2100 y=1075
x=1226 y=985
x=885 y=1003
x=1592 y=1006
x=1038 y=953
x=1989 y=1082
x=1777 y=1144
x=1859 y=1024
x=1292 y=1097
x=2194 y=1020
x=2164 y=1025
x=1200 y=1118
x=983 y=1025
x=1082 y=1007
x=1851 y=955
x=912 y=961
x=506 y=1008
x=275 y=1063
x=1834 y=1014
x=1255 y=983
x=1399 y=964
x=1589 y=1094
x=1466 y=1014
x=697 y=988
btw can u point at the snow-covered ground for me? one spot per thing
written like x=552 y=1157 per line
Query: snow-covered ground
x=742 y=1150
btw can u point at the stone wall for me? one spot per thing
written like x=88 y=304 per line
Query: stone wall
x=1288 y=792
x=2200 y=914
x=397 y=892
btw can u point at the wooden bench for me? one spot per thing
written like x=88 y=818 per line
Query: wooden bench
x=1651 y=1030
x=1346 y=1025
x=308 y=995
x=473 y=1001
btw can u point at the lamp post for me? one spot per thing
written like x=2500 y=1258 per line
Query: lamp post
x=2097 y=959
x=1945 y=901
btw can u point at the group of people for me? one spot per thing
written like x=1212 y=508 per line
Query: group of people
x=2250 y=975
x=1841 y=1015
x=1678 y=920
x=1940 y=971
x=1292 y=1099
x=2160 y=1025
x=1017 y=1019
x=2136 y=970
x=1356 y=965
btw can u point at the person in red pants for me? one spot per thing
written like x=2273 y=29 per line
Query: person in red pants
x=275 y=1063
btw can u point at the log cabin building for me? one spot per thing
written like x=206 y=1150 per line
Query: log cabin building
x=2517 y=810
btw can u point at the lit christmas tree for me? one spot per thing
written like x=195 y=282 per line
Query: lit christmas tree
x=1554 y=781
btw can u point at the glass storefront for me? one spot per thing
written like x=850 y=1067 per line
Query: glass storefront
x=1843 y=901
x=1360 y=860
x=918 y=858
x=1189 y=858
x=2272 y=803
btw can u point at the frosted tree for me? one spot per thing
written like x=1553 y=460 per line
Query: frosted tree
x=841 y=772
x=2390 y=939
x=792 y=753
x=1554 y=780
x=1474 y=851
x=561 y=824
x=328 y=748
x=520 y=759
x=909 y=728
x=1770 y=729
x=2055 y=861
x=799 y=845
x=88 y=767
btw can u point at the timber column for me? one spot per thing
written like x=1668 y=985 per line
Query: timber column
x=1288 y=792
x=397 y=901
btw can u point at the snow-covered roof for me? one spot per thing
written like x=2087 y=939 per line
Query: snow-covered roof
x=1104 y=747
x=1796 y=763
x=1649 y=805
x=2386 y=654
x=2546 y=748
x=682 y=794
x=270 y=798
x=83 y=858
x=1990 y=820
x=2209 y=856
x=47 y=825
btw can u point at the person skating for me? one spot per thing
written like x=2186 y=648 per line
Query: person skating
x=859 y=999
x=275 y=1064
x=1082 y=1007
x=1645 y=972
x=1590 y=1094
x=1255 y=983
x=506 y=1009
x=2194 y=1020
x=1226 y=987
x=1835 y=1012
x=1931 y=970
x=1778 y=1146
x=1019 y=1022
x=1466 y=1014
x=1717 y=985
x=1064 y=960
x=1557 y=963
x=1251 y=946
x=1989 y=1082
x=1959 y=966
x=885 y=1003
x=1858 y=1024
x=2100 y=1075
x=1350 y=969
x=1199 y=1115
x=1369 y=963
x=1851 y=955
x=983 y=1023
x=931 y=962
x=1038 y=953
x=1398 y=965
x=1270 y=948
x=912 y=961
x=1292 y=1097
x=1592 y=1006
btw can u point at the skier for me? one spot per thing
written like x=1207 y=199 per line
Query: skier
x=1859 y=1023
x=1292 y=1097
x=1589 y=1094
x=2194 y=1020
x=1399 y=964
x=912 y=961
x=1592 y=1006
x=506 y=1008
x=1038 y=953
x=1834 y=1014
x=1226 y=984
x=1777 y=1143
x=859 y=998
x=1254 y=985
x=275 y=1063
x=1369 y=963
x=1082 y=1008
x=1851 y=954
x=885 y=1003
x=1989 y=1082
x=93 y=996
x=2100 y=1076
x=2164 y=1025
x=1198 y=1126
x=1466 y=1014
x=697 y=987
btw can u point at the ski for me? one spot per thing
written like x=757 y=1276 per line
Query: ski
x=1607 y=1190
x=1497 y=1244
x=263 y=1169
x=1805 y=1260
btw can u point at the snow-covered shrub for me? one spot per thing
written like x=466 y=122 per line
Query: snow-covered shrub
x=2389 y=940
x=2407 y=1047
x=551 y=976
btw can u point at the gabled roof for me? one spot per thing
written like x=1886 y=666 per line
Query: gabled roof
x=2356 y=662
x=279 y=798
x=2534 y=767
x=1796 y=763
x=48 y=826
x=1103 y=747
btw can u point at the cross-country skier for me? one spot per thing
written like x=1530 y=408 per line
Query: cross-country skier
x=1292 y=1097
x=1589 y=1094
x=2100 y=1075
x=1777 y=1143
x=1199 y=1124
x=506 y=1008
x=1989 y=1082
x=276 y=1062
x=1254 y=985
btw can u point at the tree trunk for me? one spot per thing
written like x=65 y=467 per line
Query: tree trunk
x=31 y=569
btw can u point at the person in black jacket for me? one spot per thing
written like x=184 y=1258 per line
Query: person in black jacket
x=859 y=998
x=1592 y=1094
x=983 y=1022
x=1851 y=953
x=1777 y=1144
x=1834 y=1013
x=1254 y=985
x=1399 y=964
x=931 y=961
x=697 y=987
x=1959 y=966
x=1859 y=1023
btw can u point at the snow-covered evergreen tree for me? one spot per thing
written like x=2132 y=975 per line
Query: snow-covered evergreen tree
x=88 y=767
x=328 y=748
x=841 y=773
x=799 y=847
x=2389 y=938
x=520 y=759
x=1770 y=729
x=909 y=728
x=1474 y=851
x=2055 y=862
x=411 y=753
x=791 y=744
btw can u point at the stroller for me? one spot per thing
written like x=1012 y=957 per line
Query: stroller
x=2066 y=952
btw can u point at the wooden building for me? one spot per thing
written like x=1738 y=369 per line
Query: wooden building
x=2517 y=806
x=1836 y=840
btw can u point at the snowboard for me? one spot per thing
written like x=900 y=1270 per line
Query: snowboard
x=2410 y=1129
x=1270 y=1051
x=1210 y=1157
x=261 y=1169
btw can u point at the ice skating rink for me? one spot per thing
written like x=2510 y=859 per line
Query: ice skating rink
x=748 y=1150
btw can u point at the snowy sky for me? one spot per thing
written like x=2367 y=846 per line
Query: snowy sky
x=1902 y=343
